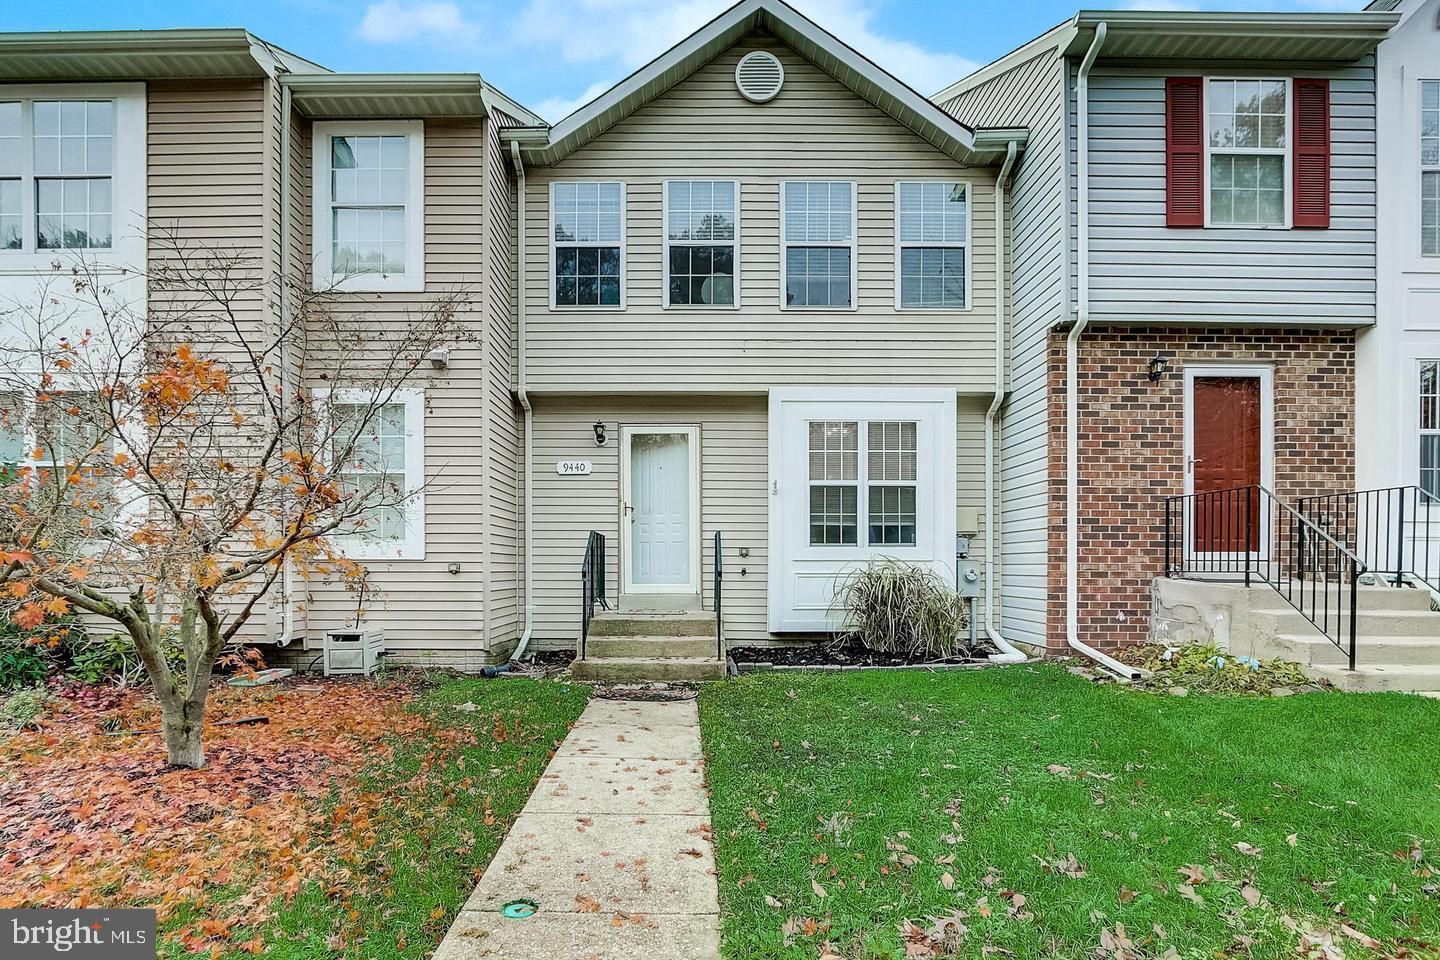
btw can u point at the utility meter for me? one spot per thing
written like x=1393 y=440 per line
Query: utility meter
x=968 y=577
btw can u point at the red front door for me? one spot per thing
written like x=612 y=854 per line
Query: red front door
x=1225 y=446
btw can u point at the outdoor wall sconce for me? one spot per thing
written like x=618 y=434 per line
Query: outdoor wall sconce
x=1159 y=366
x=599 y=429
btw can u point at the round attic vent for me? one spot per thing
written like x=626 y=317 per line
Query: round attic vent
x=759 y=76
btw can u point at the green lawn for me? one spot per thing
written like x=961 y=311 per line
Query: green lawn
x=862 y=787
x=451 y=795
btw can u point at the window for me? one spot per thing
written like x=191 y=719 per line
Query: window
x=57 y=161
x=701 y=242
x=369 y=200
x=818 y=232
x=1430 y=427
x=1430 y=168
x=890 y=471
x=1248 y=144
x=932 y=237
x=386 y=458
x=587 y=230
x=887 y=473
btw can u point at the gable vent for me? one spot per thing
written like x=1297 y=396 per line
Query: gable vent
x=759 y=76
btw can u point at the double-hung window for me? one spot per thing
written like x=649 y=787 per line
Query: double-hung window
x=1429 y=421
x=702 y=239
x=378 y=458
x=369 y=205
x=1430 y=168
x=57 y=164
x=886 y=472
x=1248 y=141
x=932 y=241
x=818 y=233
x=587 y=244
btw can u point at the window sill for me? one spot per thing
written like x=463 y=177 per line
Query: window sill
x=395 y=283
x=587 y=309
x=369 y=550
x=808 y=309
x=701 y=307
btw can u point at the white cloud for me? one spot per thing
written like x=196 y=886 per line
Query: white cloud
x=556 y=109
x=630 y=33
x=404 y=21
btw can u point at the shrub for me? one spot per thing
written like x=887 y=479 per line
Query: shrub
x=114 y=657
x=28 y=657
x=896 y=607
x=1209 y=669
x=21 y=709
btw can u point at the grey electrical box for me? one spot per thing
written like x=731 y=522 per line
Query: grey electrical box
x=962 y=545
x=968 y=578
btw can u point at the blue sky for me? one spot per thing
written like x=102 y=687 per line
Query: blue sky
x=553 y=55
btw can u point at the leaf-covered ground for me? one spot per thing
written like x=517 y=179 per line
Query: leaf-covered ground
x=352 y=824
x=1024 y=812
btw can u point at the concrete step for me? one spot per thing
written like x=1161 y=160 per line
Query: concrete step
x=1313 y=649
x=625 y=669
x=1380 y=598
x=1380 y=623
x=1370 y=677
x=610 y=624
x=603 y=647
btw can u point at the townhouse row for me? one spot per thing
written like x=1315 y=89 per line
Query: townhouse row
x=763 y=298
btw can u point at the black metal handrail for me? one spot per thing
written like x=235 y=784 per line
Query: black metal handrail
x=1391 y=529
x=592 y=584
x=719 y=597
x=1248 y=532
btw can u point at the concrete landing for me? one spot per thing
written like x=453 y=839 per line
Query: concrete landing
x=614 y=845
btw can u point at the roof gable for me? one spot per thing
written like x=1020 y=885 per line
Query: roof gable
x=860 y=75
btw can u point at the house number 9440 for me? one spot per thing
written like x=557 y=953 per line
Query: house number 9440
x=573 y=468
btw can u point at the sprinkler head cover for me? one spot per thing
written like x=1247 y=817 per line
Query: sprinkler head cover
x=519 y=909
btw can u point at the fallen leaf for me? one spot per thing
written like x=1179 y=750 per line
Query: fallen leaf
x=819 y=890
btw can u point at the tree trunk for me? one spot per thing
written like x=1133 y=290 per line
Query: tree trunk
x=183 y=719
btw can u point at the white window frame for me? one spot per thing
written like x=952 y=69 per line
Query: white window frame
x=624 y=237
x=1424 y=168
x=1288 y=200
x=901 y=245
x=1417 y=420
x=668 y=243
x=854 y=249
x=412 y=546
x=127 y=177
x=325 y=278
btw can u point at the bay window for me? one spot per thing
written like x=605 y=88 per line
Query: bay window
x=1248 y=141
x=587 y=244
x=817 y=227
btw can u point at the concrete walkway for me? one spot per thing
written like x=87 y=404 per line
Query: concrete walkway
x=614 y=845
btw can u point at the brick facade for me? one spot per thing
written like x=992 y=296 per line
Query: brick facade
x=1132 y=441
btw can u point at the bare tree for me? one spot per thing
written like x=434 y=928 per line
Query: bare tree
x=177 y=454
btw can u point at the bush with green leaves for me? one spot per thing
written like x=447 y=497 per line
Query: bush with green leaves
x=895 y=607
x=29 y=657
x=114 y=658
x=21 y=709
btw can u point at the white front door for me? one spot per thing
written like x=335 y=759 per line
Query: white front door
x=855 y=474
x=660 y=529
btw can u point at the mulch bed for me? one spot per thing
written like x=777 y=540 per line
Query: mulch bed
x=843 y=655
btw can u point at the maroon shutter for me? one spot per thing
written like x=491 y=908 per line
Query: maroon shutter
x=1312 y=153
x=1184 y=153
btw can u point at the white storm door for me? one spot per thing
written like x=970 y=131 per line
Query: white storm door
x=660 y=529
x=855 y=475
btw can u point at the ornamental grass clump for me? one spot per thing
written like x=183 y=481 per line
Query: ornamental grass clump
x=899 y=608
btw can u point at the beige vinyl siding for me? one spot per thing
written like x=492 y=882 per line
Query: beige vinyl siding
x=734 y=499
x=429 y=614
x=1030 y=95
x=815 y=129
x=503 y=465
x=208 y=184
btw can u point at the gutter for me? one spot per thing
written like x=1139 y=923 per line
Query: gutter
x=1072 y=369
x=529 y=518
x=1009 y=653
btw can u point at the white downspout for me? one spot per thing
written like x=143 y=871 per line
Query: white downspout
x=287 y=571
x=1072 y=367
x=1009 y=653
x=529 y=513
